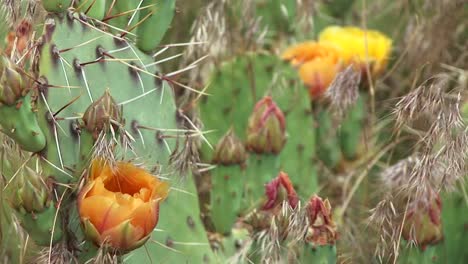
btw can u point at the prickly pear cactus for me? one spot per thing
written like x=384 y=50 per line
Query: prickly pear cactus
x=90 y=92
x=246 y=80
x=267 y=128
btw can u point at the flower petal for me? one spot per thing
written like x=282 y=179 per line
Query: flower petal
x=123 y=236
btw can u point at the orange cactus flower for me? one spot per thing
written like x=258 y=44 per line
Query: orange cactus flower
x=318 y=64
x=307 y=51
x=318 y=74
x=120 y=204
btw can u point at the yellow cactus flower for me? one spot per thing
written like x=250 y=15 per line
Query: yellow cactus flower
x=120 y=205
x=353 y=48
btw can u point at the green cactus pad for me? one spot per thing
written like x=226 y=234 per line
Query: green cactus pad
x=20 y=123
x=226 y=196
x=245 y=80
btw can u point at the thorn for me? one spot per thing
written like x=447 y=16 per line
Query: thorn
x=134 y=13
x=164 y=60
x=59 y=202
x=181 y=70
x=138 y=97
x=182 y=191
x=90 y=6
x=160 y=52
x=66 y=105
x=65 y=73
x=196 y=128
x=137 y=24
x=183 y=44
x=91 y=62
x=86 y=84
x=107 y=18
x=164 y=246
x=109 y=11
x=163 y=78
x=80 y=45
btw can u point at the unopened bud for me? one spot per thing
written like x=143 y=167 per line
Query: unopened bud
x=12 y=83
x=100 y=114
x=322 y=229
x=32 y=194
x=230 y=150
x=266 y=131
x=276 y=195
x=423 y=220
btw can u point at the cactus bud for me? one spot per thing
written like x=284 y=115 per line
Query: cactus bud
x=99 y=114
x=423 y=220
x=276 y=195
x=32 y=194
x=12 y=84
x=322 y=229
x=230 y=150
x=119 y=206
x=34 y=208
x=266 y=131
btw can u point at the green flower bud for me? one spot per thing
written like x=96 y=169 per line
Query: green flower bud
x=12 y=83
x=99 y=114
x=230 y=150
x=32 y=194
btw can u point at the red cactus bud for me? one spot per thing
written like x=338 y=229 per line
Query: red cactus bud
x=266 y=131
x=423 y=220
x=230 y=150
x=274 y=195
x=322 y=229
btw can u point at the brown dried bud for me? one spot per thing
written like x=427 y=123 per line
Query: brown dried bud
x=230 y=150
x=12 y=83
x=100 y=114
x=266 y=131
x=423 y=220
x=322 y=229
